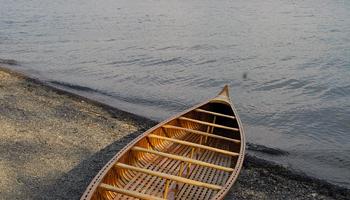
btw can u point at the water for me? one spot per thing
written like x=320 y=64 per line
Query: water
x=155 y=58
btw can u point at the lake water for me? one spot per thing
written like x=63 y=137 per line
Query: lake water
x=287 y=63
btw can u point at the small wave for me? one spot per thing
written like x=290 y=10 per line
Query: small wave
x=203 y=47
x=306 y=15
x=172 y=61
x=287 y=58
x=8 y=62
x=206 y=82
x=289 y=84
x=207 y=62
x=170 y=48
x=125 y=62
x=335 y=31
x=73 y=86
x=337 y=92
x=266 y=150
x=314 y=89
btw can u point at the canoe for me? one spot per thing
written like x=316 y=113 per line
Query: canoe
x=196 y=154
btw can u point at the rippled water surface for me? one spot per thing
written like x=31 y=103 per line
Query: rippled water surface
x=287 y=62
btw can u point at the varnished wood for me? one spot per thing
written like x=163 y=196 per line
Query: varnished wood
x=128 y=192
x=201 y=133
x=214 y=113
x=166 y=189
x=196 y=154
x=168 y=176
x=185 y=159
x=194 y=145
x=208 y=124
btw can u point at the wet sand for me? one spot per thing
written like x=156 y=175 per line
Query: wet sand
x=52 y=143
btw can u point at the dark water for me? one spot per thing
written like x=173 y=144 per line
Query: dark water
x=155 y=58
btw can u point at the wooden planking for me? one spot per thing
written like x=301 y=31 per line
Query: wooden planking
x=160 y=164
x=185 y=159
x=148 y=184
x=214 y=113
x=157 y=183
x=201 y=174
x=201 y=133
x=220 y=177
x=128 y=192
x=208 y=123
x=169 y=176
x=207 y=175
x=160 y=184
x=194 y=145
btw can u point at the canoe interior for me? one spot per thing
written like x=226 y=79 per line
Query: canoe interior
x=162 y=188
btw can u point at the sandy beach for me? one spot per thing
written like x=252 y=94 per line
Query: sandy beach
x=52 y=143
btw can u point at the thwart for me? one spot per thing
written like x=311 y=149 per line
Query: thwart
x=196 y=154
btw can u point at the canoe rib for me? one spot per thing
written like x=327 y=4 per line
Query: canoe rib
x=128 y=192
x=194 y=145
x=185 y=159
x=214 y=113
x=208 y=124
x=201 y=133
x=169 y=176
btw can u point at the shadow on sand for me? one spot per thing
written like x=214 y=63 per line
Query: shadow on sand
x=73 y=184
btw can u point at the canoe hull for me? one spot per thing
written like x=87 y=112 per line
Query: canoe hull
x=195 y=154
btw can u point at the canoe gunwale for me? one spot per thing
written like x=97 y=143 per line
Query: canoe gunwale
x=96 y=181
x=233 y=177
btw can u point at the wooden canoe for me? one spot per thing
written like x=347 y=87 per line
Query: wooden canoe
x=196 y=154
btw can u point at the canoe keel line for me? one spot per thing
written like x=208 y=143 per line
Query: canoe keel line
x=196 y=154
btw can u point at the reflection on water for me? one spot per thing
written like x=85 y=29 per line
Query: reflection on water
x=287 y=62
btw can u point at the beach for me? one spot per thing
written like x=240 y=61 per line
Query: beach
x=287 y=65
x=52 y=143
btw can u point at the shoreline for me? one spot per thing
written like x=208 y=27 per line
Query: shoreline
x=259 y=179
x=75 y=96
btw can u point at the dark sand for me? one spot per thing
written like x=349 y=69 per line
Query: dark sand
x=52 y=143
